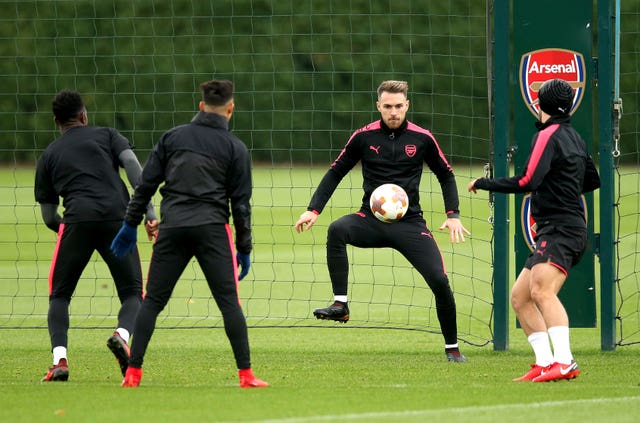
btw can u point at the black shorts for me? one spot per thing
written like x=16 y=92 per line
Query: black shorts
x=563 y=247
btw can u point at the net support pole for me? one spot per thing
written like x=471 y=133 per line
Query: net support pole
x=607 y=188
x=501 y=120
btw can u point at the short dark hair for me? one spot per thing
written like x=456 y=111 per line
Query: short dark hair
x=216 y=92
x=66 y=105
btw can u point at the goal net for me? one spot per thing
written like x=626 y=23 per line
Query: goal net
x=305 y=76
x=627 y=153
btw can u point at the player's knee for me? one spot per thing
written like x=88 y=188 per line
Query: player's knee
x=336 y=233
x=61 y=297
x=517 y=303
x=131 y=299
x=542 y=296
x=441 y=289
x=130 y=294
x=154 y=303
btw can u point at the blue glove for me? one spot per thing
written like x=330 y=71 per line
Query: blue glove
x=125 y=241
x=244 y=262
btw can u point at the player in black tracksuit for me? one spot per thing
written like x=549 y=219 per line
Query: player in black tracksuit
x=391 y=150
x=205 y=170
x=82 y=167
x=557 y=172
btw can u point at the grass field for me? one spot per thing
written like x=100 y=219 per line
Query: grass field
x=319 y=371
x=317 y=375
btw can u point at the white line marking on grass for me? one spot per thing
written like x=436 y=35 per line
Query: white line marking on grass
x=441 y=411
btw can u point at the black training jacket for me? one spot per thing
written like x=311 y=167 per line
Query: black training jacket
x=558 y=170
x=390 y=156
x=82 y=167
x=206 y=172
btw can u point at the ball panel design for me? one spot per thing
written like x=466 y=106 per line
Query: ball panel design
x=389 y=203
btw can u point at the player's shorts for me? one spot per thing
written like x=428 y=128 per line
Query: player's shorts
x=563 y=247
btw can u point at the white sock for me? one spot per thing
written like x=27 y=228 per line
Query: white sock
x=58 y=354
x=124 y=334
x=341 y=298
x=448 y=346
x=561 y=347
x=541 y=347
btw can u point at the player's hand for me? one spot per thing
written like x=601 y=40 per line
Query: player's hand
x=306 y=221
x=125 y=241
x=456 y=230
x=244 y=263
x=472 y=186
x=151 y=226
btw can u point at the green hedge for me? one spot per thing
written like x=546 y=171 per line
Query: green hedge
x=305 y=71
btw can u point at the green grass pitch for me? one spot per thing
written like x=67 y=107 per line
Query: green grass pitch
x=316 y=375
x=322 y=373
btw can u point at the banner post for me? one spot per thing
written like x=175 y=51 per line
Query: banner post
x=553 y=39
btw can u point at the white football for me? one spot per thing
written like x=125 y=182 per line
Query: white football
x=389 y=203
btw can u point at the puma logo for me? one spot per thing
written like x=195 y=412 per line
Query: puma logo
x=375 y=148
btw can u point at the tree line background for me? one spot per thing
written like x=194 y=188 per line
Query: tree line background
x=305 y=71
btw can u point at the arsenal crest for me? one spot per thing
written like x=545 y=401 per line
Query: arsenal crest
x=539 y=66
x=410 y=150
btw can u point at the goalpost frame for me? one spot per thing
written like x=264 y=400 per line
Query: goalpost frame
x=502 y=135
x=605 y=116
